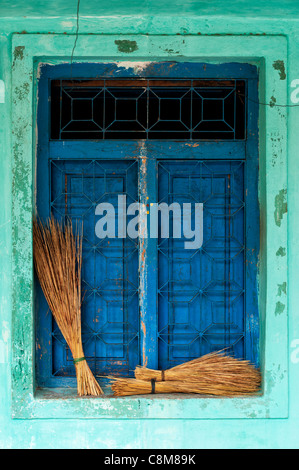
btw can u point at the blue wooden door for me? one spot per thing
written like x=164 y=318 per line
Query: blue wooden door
x=201 y=291
x=110 y=324
x=183 y=133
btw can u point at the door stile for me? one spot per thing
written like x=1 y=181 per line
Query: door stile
x=148 y=264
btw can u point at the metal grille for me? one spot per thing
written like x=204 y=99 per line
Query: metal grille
x=153 y=302
x=110 y=323
x=201 y=292
x=148 y=109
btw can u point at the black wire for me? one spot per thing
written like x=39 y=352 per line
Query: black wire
x=272 y=105
x=76 y=38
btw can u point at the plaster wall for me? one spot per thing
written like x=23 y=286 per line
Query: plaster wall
x=153 y=433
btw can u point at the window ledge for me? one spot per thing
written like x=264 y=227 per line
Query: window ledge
x=70 y=393
x=64 y=403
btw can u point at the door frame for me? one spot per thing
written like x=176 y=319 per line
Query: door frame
x=31 y=50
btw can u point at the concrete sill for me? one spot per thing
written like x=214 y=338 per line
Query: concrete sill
x=71 y=393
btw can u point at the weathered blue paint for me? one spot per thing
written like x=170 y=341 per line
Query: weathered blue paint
x=120 y=327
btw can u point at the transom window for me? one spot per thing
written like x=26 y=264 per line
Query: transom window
x=148 y=109
x=181 y=133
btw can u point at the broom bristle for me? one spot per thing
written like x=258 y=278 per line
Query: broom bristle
x=124 y=387
x=212 y=374
x=58 y=261
x=216 y=366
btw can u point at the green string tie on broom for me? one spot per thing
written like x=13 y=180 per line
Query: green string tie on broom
x=79 y=359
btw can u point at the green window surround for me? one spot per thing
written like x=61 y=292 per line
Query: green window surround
x=31 y=50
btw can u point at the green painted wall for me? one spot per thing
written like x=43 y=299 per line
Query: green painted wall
x=157 y=18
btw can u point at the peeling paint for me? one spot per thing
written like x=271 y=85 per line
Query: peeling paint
x=282 y=289
x=138 y=67
x=144 y=356
x=272 y=101
x=126 y=46
x=280 y=206
x=279 y=308
x=279 y=65
x=142 y=256
x=171 y=51
x=281 y=251
x=18 y=53
x=22 y=91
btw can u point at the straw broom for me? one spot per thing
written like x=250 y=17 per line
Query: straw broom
x=58 y=260
x=216 y=365
x=212 y=374
x=124 y=387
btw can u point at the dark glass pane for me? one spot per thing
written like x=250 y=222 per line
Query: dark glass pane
x=148 y=109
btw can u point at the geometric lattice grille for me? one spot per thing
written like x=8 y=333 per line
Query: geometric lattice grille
x=110 y=323
x=148 y=109
x=201 y=292
x=166 y=304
